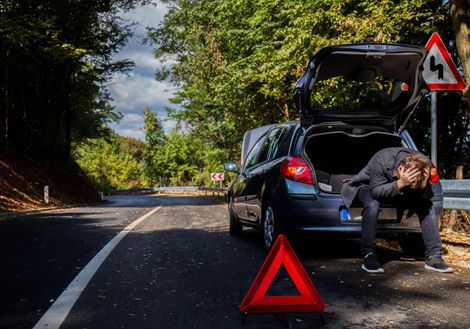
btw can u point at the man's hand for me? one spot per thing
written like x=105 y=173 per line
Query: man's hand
x=426 y=174
x=408 y=176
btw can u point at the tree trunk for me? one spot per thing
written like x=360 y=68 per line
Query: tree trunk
x=285 y=111
x=7 y=86
x=459 y=172
x=461 y=27
x=67 y=115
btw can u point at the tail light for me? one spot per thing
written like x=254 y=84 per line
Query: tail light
x=434 y=175
x=296 y=169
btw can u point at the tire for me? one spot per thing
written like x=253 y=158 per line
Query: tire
x=235 y=227
x=270 y=227
x=412 y=245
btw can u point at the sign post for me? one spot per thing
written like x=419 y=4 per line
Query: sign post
x=440 y=73
x=434 y=127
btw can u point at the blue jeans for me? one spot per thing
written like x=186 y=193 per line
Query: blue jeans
x=412 y=201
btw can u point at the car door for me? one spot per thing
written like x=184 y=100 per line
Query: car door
x=258 y=174
x=243 y=180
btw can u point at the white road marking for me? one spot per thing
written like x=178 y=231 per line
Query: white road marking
x=56 y=314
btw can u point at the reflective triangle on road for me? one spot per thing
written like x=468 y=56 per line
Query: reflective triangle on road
x=256 y=301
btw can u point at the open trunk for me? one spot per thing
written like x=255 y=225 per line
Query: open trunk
x=368 y=81
x=339 y=155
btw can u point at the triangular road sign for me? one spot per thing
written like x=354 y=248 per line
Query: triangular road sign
x=256 y=300
x=440 y=72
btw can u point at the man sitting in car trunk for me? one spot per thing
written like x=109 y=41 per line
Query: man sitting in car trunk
x=399 y=176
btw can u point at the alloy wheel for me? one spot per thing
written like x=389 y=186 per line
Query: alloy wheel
x=268 y=227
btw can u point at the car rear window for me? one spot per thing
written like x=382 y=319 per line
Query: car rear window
x=363 y=92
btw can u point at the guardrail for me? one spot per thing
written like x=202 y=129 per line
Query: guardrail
x=456 y=193
x=212 y=190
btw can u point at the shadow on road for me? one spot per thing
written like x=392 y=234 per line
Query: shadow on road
x=41 y=254
x=139 y=201
x=194 y=274
x=197 y=278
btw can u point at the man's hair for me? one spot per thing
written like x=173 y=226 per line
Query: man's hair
x=418 y=160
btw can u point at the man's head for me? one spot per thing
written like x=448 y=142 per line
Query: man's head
x=418 y=161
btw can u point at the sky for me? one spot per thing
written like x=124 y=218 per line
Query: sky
x=134 y=91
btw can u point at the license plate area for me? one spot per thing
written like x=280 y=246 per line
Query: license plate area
x=354 y=215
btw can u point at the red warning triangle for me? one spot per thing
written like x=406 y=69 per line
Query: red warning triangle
x=440 y=72
x=256 y=300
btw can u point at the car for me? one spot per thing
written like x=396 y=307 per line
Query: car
x=291 y=173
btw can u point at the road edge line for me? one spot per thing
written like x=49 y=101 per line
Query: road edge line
x=57 y=312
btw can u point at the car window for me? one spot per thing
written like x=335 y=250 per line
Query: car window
x=273 y=142
x=251 y=158
x=380 y=93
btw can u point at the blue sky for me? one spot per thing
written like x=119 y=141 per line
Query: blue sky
x=136 y=90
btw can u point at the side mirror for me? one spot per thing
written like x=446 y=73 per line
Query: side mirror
x=232 y=167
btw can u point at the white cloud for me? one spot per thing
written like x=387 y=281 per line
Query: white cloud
x=145 y=63
x=134 y=92
x=132 y=126
x=134 y=117
x=146 y=16
x=134 y=133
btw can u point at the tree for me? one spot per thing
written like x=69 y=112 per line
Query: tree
x=181 y=158
x=114 y=162
x=460 y=14
x=237 y=61
x=154 y=141
x=55 y=59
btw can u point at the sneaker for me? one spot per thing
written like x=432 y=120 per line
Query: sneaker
x=371 y=264
x=436 y=263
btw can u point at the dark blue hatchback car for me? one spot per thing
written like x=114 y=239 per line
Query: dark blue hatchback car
x=292 y=173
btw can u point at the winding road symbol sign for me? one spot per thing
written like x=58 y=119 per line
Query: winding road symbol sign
x=217 y=176
x=440 y=72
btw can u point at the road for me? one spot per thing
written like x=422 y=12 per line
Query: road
x=179 y=268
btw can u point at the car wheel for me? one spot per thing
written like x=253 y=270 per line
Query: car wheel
x=235 y=227
x=270 y=227
x=412 y=245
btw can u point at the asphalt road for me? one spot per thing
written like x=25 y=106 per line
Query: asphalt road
x=179 y=268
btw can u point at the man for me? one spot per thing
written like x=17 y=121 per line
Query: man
x=399 y=176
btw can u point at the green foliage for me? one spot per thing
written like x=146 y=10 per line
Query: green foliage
x=180 y=158
x=112 y=163
x=173 y=159
x=55 y=57
x=177 y=158
x=237 y=61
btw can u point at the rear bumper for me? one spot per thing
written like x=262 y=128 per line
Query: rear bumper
x=303 y=209
x=322 y=214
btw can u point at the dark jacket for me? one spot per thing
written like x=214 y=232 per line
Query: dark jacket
x=379 y=175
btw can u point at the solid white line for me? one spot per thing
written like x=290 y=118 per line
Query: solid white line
x=56 y=314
